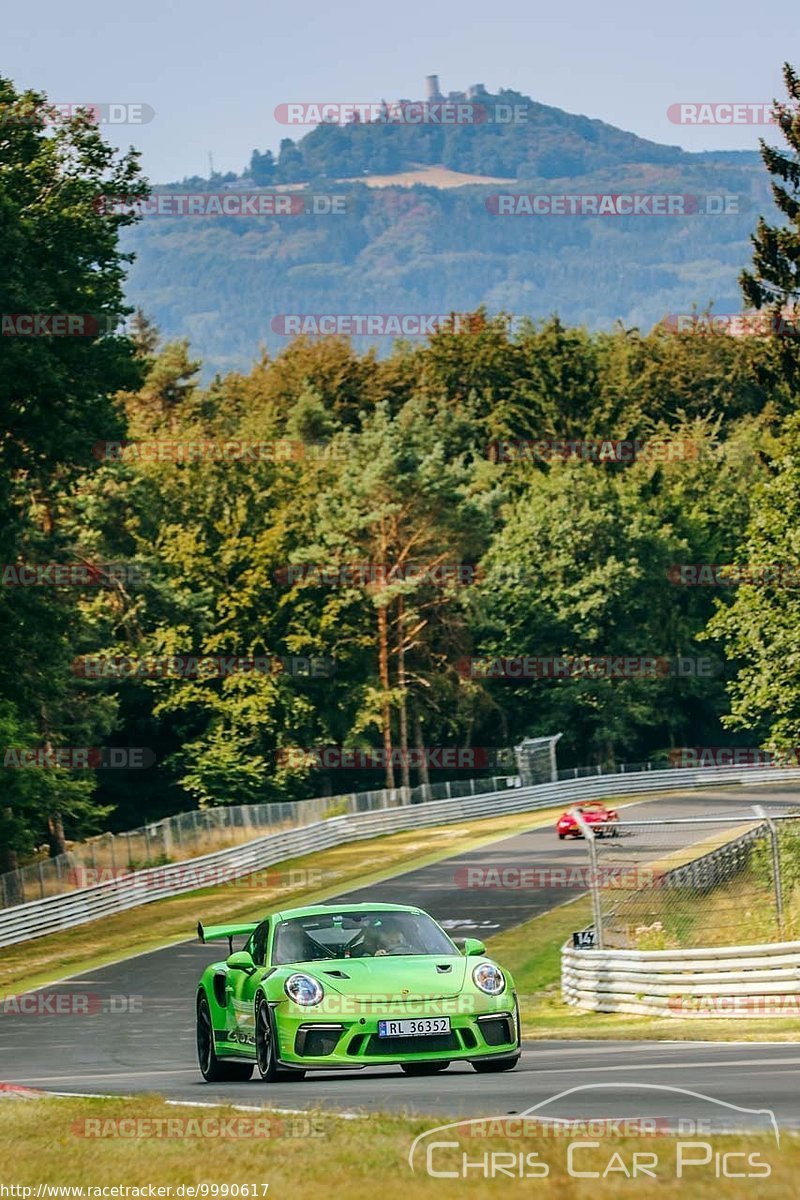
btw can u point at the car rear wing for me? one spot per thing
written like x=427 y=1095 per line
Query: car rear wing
x=215 y=933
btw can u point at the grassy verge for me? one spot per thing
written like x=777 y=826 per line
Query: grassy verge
x=107 y=1143
x=532 y=952
x=297 y=881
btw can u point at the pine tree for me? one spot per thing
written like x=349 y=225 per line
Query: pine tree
x=774 y=282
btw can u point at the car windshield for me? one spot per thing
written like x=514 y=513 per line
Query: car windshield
x=357 y=935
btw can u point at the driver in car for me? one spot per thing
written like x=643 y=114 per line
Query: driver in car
x=391 y=938
x=294 y=945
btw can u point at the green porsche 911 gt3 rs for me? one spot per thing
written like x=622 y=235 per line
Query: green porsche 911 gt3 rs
x=352 y=985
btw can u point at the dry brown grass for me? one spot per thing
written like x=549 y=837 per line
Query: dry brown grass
x=434 y=176
x=43 y=1141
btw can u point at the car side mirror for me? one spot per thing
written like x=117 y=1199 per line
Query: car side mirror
x=242 y=960
x=473 y=947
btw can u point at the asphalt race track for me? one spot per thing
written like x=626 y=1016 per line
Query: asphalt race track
x=139 y=1033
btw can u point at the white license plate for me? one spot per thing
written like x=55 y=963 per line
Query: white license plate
x=419 y=1027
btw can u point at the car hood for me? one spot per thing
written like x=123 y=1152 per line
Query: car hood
x=399 y=976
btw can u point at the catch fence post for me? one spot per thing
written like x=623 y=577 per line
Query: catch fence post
x=776 y=865
x=594 y=882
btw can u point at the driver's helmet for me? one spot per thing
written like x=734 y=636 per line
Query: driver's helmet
x=392 y=932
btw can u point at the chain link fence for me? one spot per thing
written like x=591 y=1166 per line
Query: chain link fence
x=683 y=882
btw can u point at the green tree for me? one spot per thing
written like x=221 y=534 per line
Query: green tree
x=59 y=254
x=775 y=278
x=760 y=628
x=774 y=281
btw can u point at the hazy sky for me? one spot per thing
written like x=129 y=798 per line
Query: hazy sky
x=214 y=70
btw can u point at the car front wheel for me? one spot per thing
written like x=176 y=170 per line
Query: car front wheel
x=266 y=1058
x=213 y=1069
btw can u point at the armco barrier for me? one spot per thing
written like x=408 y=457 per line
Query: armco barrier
x=719 y=866
x=721 y=981
x=39 y=917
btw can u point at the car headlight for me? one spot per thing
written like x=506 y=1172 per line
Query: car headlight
x=489 y=978
x=303 y=989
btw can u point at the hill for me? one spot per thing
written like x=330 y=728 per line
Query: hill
x=504 y=133
x=227 y=282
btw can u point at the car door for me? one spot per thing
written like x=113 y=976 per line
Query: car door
x=242 y=986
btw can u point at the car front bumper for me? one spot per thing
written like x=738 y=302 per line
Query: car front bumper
x=352 y=1041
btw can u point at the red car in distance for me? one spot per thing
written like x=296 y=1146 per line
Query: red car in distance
x=602 y=820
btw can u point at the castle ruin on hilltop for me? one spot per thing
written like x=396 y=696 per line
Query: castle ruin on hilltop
x=432 y=90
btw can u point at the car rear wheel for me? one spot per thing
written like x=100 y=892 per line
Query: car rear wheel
x=497 y=1064
x=561 y=837
x=213 y=1069
x=266 y=1059
x=424 y=1068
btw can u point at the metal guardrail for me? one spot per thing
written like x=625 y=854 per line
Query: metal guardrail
x=53 y=913
x=719 y=866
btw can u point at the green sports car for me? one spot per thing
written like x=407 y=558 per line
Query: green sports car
x=352 y=985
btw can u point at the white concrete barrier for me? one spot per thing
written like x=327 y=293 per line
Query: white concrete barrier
x=722 y=981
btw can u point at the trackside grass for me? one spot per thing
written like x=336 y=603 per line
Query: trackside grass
x=105 y=1143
